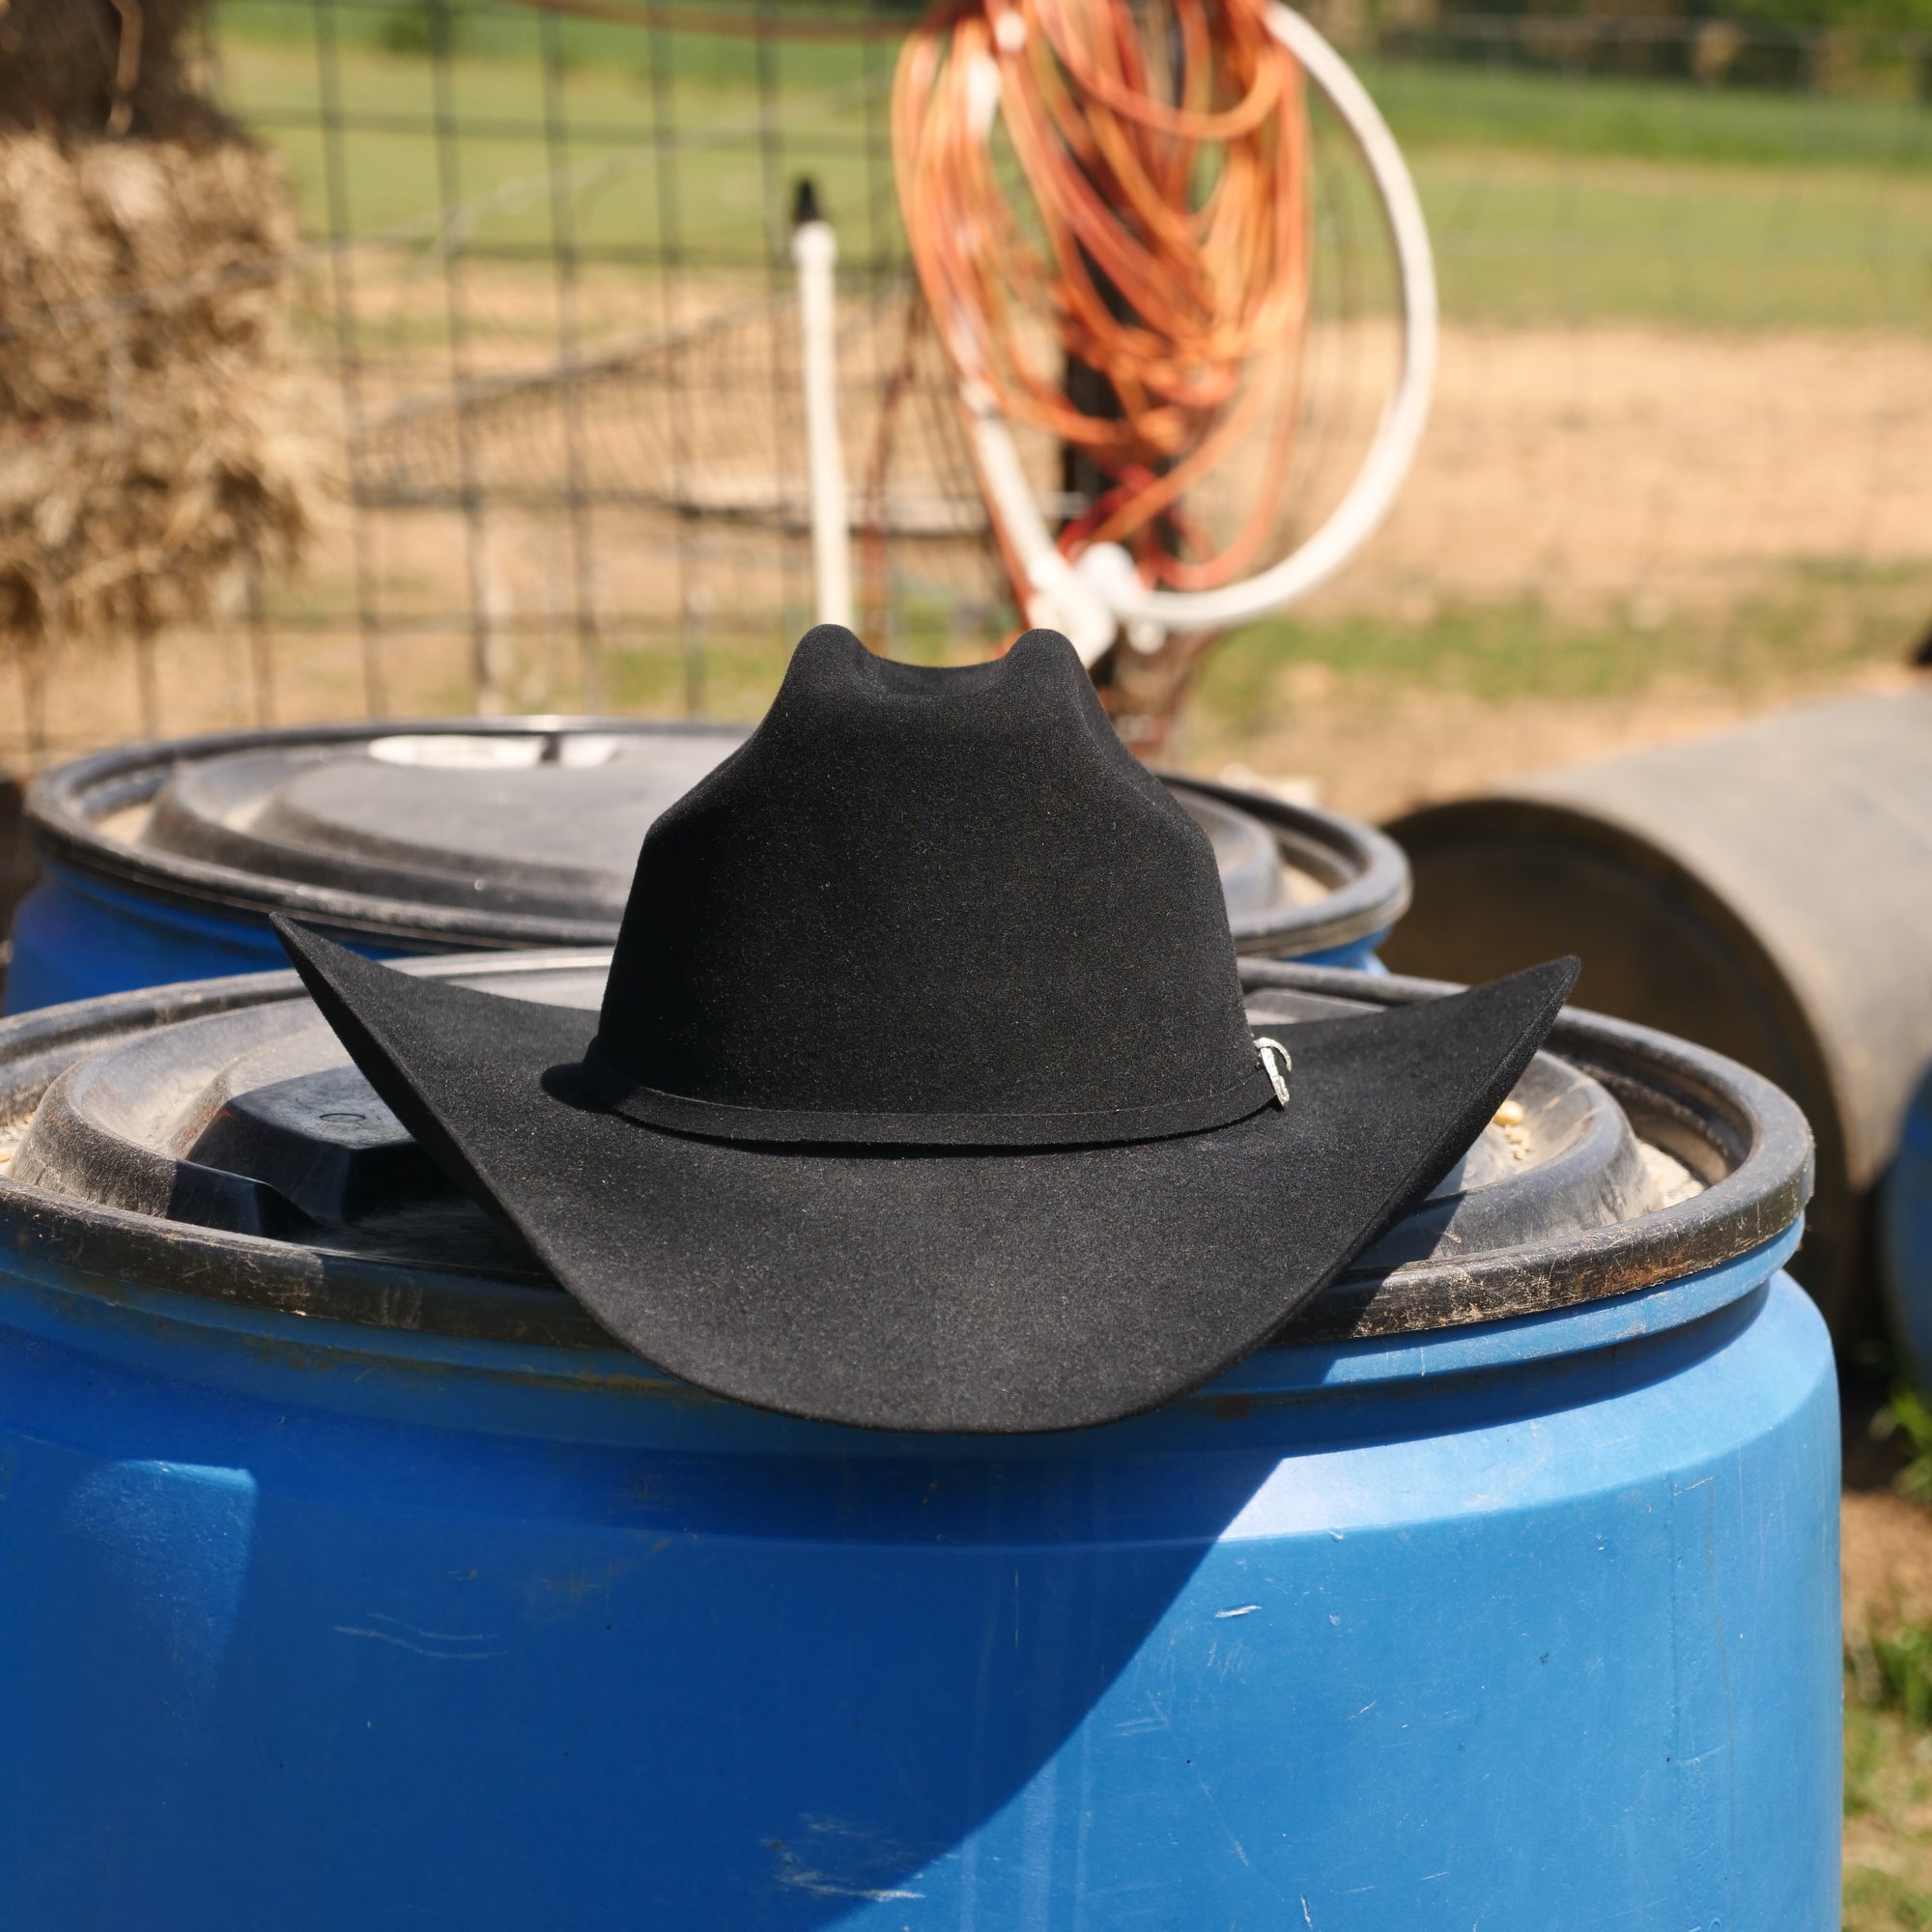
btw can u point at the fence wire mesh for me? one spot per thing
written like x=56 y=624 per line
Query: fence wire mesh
x=545 y=307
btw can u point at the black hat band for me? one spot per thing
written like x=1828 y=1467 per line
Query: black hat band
x=1106 y=1126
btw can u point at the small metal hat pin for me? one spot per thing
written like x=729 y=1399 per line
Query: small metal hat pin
x=1274 y=1058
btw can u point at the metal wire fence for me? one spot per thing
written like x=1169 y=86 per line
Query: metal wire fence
x=544 y=305
x=568 y=372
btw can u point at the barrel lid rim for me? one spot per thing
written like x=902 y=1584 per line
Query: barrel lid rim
x=1762 y=1195
x=1522 y=810
x=65 y=831
x=1368 y=901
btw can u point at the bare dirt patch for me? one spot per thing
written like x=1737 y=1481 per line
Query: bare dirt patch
x=1886 y=1563
x=1606 y=461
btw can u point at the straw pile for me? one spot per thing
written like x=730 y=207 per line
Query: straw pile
x=154 y=423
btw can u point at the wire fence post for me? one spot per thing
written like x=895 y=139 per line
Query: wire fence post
x=30 y=663
x=569 y=351
x=776 y=206
x=261 y=654
x=347 y=347
x=452 y=244
x=677 y=413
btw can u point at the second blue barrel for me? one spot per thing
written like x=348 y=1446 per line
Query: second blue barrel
x=1905 y=1237
x=350 y=1577
x=162 y=862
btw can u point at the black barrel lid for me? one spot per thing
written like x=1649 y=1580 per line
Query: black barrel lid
x=534 y=823
x=524 y=831
x=155 y=1125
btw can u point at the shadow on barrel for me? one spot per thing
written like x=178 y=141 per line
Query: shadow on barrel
x=767 y=1684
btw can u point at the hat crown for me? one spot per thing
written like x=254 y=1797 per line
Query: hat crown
x=930 y=894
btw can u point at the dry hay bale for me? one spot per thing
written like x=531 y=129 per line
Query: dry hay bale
x=102 y=67
x=124 y=527
x=134 y=256
x=156 y=432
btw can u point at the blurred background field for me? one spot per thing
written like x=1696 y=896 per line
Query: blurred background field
x=1679 y=466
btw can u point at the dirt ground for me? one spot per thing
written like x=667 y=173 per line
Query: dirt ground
x=1661 y=466
x=1886 y=1560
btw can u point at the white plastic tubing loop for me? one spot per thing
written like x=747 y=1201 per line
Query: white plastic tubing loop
x=1100 y=596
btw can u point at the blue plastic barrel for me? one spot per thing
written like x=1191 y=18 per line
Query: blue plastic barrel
x=162 y=863
x=349 y=1577
x=1905 y=1237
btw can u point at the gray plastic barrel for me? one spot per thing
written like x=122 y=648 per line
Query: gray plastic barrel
x=162 y=862
x=1767 y=892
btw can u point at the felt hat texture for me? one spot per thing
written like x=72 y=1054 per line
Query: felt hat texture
x=922 y=1097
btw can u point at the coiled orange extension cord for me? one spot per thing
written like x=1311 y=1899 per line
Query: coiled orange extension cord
x=1166 y=246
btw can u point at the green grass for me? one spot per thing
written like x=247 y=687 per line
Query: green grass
x=740 y=665
x=1901 y=1669
x=733 y=672
x=1604 y=117
x=1490 y=103
x=1807 y=626
x=516 y=32
x=1810 y=622
x=1549 y=199
x=1887 y=1778
x=1887 y=1784
x=392 y=168
x=1907 y=1417
x=1526 y=238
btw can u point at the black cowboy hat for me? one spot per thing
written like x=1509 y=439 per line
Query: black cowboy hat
x=922 y=1097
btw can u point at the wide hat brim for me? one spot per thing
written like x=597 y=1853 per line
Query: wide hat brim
x=960 y=1289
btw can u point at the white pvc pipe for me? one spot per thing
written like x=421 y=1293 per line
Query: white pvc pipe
x=1111 y=595
x=1058 y=597
x=815 y=249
